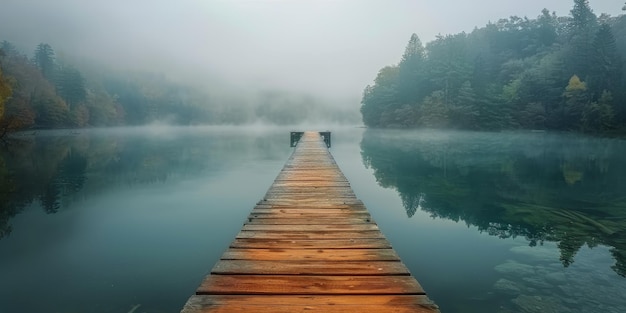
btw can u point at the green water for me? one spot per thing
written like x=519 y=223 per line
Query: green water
x=104 y=220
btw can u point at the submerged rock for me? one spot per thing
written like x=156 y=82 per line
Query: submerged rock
x=507 y=287
x=537 y=282
x=515 y=268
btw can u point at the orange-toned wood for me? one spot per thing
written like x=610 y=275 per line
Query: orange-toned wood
x=353 y=268
x=305 y=303
x=309 y=235
x=311 y=254
x=316 y=227
x=351 y=243
x=310 y=246
x=341 y=220
x=308 y=285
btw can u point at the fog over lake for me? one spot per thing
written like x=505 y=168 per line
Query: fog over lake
x=485 y=221
x=486 y=139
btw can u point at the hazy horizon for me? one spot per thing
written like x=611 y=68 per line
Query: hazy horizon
x=331 y=49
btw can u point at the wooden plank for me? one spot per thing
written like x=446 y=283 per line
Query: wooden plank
x=311 y=228
x=358 y=205
x=312 y=299
x=297 y=181
x=308 y=285
x=310 y=221
x=321 y=202
x=288 y=304
x=309 y=235
x=312 y=215
x=256 y=267
x=304 y=210
x=311 y=254
x=310 y=198
x=379 y=243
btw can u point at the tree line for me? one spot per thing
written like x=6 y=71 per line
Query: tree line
x=44 y=92
x=552 y=72
x=47 y=92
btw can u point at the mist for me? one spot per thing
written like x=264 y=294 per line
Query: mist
x=238 y=51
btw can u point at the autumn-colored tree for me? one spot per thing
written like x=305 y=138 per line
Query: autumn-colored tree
x=576 y=99
x=29 y=87
x=5 y=93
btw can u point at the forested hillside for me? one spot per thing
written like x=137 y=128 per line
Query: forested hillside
x=551 y=72
x=47 y=92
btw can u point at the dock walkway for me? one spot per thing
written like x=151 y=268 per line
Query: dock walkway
x=310 y=246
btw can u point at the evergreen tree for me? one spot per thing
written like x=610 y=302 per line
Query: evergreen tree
x=380 y=97
x=8 y=48
x=547 y=28
x=582 y=28
x=433 y=112
x=45 y=60
x=411 y=72
x=464 y=112
x=606 y=64
x=598 y=116
x=583 y=17
x=449 y=64
x=71 y=86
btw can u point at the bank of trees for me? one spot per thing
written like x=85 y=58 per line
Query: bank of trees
x=42 y=91
x=551 y=72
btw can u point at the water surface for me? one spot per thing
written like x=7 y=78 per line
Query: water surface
x=105 y=220
x=502 y=222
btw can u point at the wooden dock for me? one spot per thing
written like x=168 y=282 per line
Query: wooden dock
x=310 y=246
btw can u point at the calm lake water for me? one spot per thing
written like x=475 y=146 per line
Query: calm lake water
x=106 y=220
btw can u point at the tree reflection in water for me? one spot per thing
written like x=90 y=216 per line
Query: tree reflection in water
x=562 y=188
x=54 y=167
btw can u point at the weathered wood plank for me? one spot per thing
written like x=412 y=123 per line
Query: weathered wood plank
x=325 y=304
x=308 y=210
x=311 y=285
x=356 y=205
x=309 y=235
x=309 y=221
x=278 y=254
x=298 y=216
x=256 y=267
x=312 y=299
x=311 y=228
x=321 y=202
x=379 y=243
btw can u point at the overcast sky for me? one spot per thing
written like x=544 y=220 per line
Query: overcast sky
x=327 y=47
